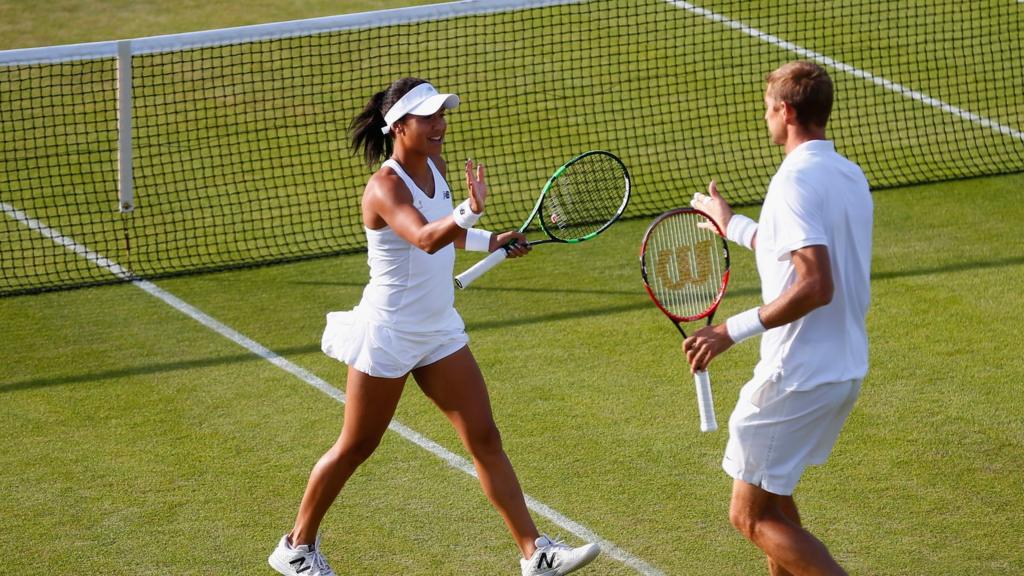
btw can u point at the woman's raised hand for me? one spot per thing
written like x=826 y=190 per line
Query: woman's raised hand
x=477 y=186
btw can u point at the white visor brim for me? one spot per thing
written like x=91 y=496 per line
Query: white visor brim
x=423 y=100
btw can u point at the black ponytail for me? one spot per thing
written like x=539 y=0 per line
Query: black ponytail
x=365 y=129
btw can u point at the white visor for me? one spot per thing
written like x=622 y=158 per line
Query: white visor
x=423 y=100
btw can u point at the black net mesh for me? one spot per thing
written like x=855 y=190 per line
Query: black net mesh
x=241 y=155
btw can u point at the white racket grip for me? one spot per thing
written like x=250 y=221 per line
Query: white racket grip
x=477 y=270
x=705 y=404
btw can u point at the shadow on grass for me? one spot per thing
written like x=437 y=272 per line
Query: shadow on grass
x=638 y=303
x=160 y=368
x=478 y=288
x=949 y=268
x=475 y=326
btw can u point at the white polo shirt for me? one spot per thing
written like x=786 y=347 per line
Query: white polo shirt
x=817 y=197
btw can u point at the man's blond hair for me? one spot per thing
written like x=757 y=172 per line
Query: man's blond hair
x=806 y=87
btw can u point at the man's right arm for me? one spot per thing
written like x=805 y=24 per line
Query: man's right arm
x=812 y=288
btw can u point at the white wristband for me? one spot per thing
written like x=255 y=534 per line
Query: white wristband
x=478 y=240
x=744 y=325
x=741 y=230
x=464 y=215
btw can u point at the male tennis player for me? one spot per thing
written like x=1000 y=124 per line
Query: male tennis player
x=812 y=245
x=406 y=324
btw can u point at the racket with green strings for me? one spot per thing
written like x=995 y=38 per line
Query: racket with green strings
x=582 y=198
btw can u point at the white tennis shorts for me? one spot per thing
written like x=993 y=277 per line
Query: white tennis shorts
x=775 y=432
x=385 y=352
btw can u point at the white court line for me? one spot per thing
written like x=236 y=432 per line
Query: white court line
x=825 y=60
x=608 y=547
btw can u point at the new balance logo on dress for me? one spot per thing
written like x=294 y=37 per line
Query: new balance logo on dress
x=554 y=558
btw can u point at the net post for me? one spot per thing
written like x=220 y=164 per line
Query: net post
x=125 y=190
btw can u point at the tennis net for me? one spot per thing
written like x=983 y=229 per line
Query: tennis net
x=211 y=150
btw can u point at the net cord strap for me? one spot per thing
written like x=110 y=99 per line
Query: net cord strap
x=125 y=182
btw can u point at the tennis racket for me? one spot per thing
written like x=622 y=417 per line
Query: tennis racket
x=684 y=261
x=582 y=198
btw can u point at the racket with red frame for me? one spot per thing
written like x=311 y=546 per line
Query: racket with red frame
x=684 y=260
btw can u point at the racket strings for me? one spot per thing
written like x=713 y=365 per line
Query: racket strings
x=585 y=197
x=684 y=265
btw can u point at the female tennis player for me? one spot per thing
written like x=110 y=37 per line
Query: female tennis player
x=406 y=323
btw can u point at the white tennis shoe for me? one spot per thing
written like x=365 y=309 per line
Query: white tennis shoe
x=302 y=560
x=554 y=558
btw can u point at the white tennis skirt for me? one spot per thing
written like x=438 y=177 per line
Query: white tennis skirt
x=382 y=351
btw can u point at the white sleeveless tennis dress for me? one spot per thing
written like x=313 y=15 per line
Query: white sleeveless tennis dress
x=406 y=318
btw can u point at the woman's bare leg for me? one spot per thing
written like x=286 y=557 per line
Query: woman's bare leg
x=457 y=387
x=369 y=407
